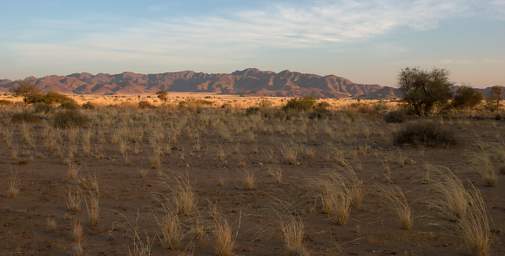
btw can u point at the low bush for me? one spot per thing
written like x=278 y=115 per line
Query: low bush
x=71 y=105
x=467 y=97
x=5 y=102
x=88 y=105
x=425 y=133
x=42 y=107
x=25 y=117
x=395 y=116
x=70 y=119
x=300 y=104
x=320 y=110
x=146 y=105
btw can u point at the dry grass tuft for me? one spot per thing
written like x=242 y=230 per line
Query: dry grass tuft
x=140 y=247
x=72 y=172
x=475 y=225
x=450 y=196
x=171 y=230
x=74 y=199
x=486 y=169
x=398 y=201
x=77 y=232
x=249 y=180
x=13 y=185
x=224 y=240
x=184 y=197
x=340 y=191
x=293 y=233
x=51 y=224
x=275 y=173
x=336 y=198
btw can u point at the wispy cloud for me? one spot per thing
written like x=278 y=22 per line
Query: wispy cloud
x=277 y=25
x=236 y=36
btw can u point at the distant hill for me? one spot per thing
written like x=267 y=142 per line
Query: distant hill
x=247 y=82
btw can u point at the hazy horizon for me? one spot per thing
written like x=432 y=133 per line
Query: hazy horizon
x=366 y=41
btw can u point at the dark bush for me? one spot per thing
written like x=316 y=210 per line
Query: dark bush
x=300 y=104
x=146 y=105
x=69 y=119
x=320 y=110
x=467 y=97
x=88 y=105
x=42 y=107
x=252 y=110
x=395 y=116
x=71 y=105
x=25 y=117
x=425 y=133
x=5 y=102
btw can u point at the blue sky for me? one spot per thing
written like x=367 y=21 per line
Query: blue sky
x=367 y=41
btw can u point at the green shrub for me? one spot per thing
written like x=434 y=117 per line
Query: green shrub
x=467 y=97
x=395 y=116
x=425 y=133
x=25 y=117
x=300 y=104
x=70 y=119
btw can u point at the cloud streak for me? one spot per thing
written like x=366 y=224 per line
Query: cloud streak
x=236 y=36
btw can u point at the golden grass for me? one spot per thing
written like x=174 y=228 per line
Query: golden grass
x=450 y=196
x=72 y=172
x=184 y=197
x=397 y=199
x=13 y=185
x=249 y=180
x=74 y=199
x=276 y=173
x=171 y=230
x=486 y=169
x=336 y=198
x=140 y=246
x=293 y=235
x=474 y=226
x=224 y=242
x=51 y=224
x=92 y=203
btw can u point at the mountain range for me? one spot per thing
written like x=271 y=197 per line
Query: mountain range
x=245 y=82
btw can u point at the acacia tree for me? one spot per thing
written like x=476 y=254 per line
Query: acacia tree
x=423 y=90
x=27 y=90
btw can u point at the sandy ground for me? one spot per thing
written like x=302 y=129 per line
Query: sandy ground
x=216 y=160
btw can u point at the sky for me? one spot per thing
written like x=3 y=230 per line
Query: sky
x=367 y=41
